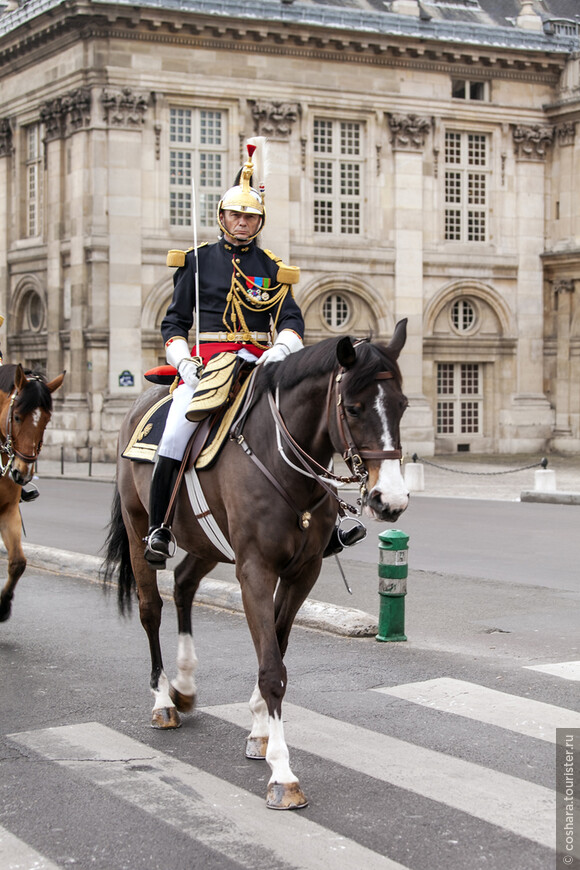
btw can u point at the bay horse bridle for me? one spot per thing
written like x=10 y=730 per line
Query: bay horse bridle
x=8 y=448
x=353 y=457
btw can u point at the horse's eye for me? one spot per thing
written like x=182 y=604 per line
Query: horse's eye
x=17 y=418
x=353 y=410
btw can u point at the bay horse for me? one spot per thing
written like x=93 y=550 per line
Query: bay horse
x=25 y=410
x=276 y=509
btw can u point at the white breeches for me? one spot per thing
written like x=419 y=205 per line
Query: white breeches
x=178 y=429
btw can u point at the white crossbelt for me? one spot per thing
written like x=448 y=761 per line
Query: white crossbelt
x=208 y=523
x=234 y=336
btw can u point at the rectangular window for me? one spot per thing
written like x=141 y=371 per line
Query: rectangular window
x=464 y=89
x=466 y=186
x=197 y=140
x=337 y=177
x=33 y=181
x=459 y=399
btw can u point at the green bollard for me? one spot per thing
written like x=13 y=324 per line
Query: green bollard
x=393 y=552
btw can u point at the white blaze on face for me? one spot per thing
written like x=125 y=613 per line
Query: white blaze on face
x=390 y=483
x=36 y=415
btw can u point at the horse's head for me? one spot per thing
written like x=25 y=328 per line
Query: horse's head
x=25 y=415
x=370 y=404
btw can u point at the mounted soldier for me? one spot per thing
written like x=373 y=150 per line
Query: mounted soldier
x=245 y=310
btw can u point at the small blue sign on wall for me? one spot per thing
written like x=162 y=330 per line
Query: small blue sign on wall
x=126 y=379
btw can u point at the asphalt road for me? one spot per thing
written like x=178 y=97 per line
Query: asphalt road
x=491 y=578
x=437 y=753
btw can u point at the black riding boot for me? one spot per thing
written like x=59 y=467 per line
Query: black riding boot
x=29 y=492
x=341 y=538
x=159 y=536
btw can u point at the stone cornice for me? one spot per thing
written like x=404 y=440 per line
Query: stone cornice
x=166 y=26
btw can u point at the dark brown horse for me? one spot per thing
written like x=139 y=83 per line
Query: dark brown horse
x=25 y=409
x=274 y=511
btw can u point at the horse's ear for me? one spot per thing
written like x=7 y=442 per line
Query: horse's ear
x=20 y=379
x=399 y=338
x=345 y=352
x=56 y=383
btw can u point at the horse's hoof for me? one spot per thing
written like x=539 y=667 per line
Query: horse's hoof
x=5 y=611
x=285 y=796
x=184 y=703
x=165 y=717
x=256 y=747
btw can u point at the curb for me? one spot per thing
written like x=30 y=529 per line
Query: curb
x=344 y=621
x=550 y=497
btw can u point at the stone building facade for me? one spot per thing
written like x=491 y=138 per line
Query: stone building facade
x=424 y=163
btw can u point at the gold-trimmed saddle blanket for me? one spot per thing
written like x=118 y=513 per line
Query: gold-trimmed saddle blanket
x=142 y=446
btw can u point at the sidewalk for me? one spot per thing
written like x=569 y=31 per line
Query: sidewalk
x=462 y=475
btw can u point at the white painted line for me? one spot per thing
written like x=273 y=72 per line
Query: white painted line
x=523 y=715
x=513 y=804
x=210 y=810
x=566 y=670
x=17 y=855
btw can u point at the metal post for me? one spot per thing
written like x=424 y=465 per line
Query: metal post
x=393 y=566
x=61 y=459
x=90 y=461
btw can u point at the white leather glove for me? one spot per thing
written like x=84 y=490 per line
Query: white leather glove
x=177 y=355
x=286 y=343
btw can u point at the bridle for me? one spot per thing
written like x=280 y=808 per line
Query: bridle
x=353 y=457
x=8 y=449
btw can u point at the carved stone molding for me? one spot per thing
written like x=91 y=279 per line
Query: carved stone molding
x=66 y=114
x=274 y=119
x=6 y=146
x=532 y=143
x=408 y=132
x=124 y=108
x=564 y=285
x=566 y=133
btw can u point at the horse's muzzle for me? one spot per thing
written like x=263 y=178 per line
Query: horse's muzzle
x=387 y=510
x=19 y=478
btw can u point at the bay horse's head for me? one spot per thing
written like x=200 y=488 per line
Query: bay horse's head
x=25 y=410
x=370 y=403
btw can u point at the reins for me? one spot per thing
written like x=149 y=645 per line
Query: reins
x=350 y=453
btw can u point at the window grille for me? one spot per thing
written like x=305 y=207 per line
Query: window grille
x=466 y=186
x=459 y=399
x=337 y=173
x=197 y=140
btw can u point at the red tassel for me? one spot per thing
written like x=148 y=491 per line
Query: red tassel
x=251 y=149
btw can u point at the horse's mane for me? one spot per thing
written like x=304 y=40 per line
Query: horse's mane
x=34 y=395
x=321 y=358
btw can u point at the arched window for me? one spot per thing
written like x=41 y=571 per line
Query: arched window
x=33 y=312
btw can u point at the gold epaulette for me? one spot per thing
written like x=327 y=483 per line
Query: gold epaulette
x=176 y=259
x=286 y=274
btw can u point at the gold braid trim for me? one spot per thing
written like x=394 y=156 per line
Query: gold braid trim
x=240 y=298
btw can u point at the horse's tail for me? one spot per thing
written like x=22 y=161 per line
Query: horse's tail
x=117 y=561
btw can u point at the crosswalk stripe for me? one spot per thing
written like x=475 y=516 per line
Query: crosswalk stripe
x=17 y=855
x=522 y=715
x=566 y=670
x=225 y=818
x=522 y=807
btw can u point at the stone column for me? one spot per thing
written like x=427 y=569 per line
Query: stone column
x=563 y=290
x=408 y=136
x=124 y=115
x=275 y=120
x=526 y=424
x=6 y=150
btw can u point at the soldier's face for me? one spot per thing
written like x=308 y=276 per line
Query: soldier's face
x=239 y=225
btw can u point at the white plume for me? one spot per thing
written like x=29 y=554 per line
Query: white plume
x=260 y=161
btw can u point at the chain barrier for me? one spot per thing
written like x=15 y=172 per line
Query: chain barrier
x=543 y=464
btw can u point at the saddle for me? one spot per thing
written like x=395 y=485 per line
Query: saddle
x=210 y=435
